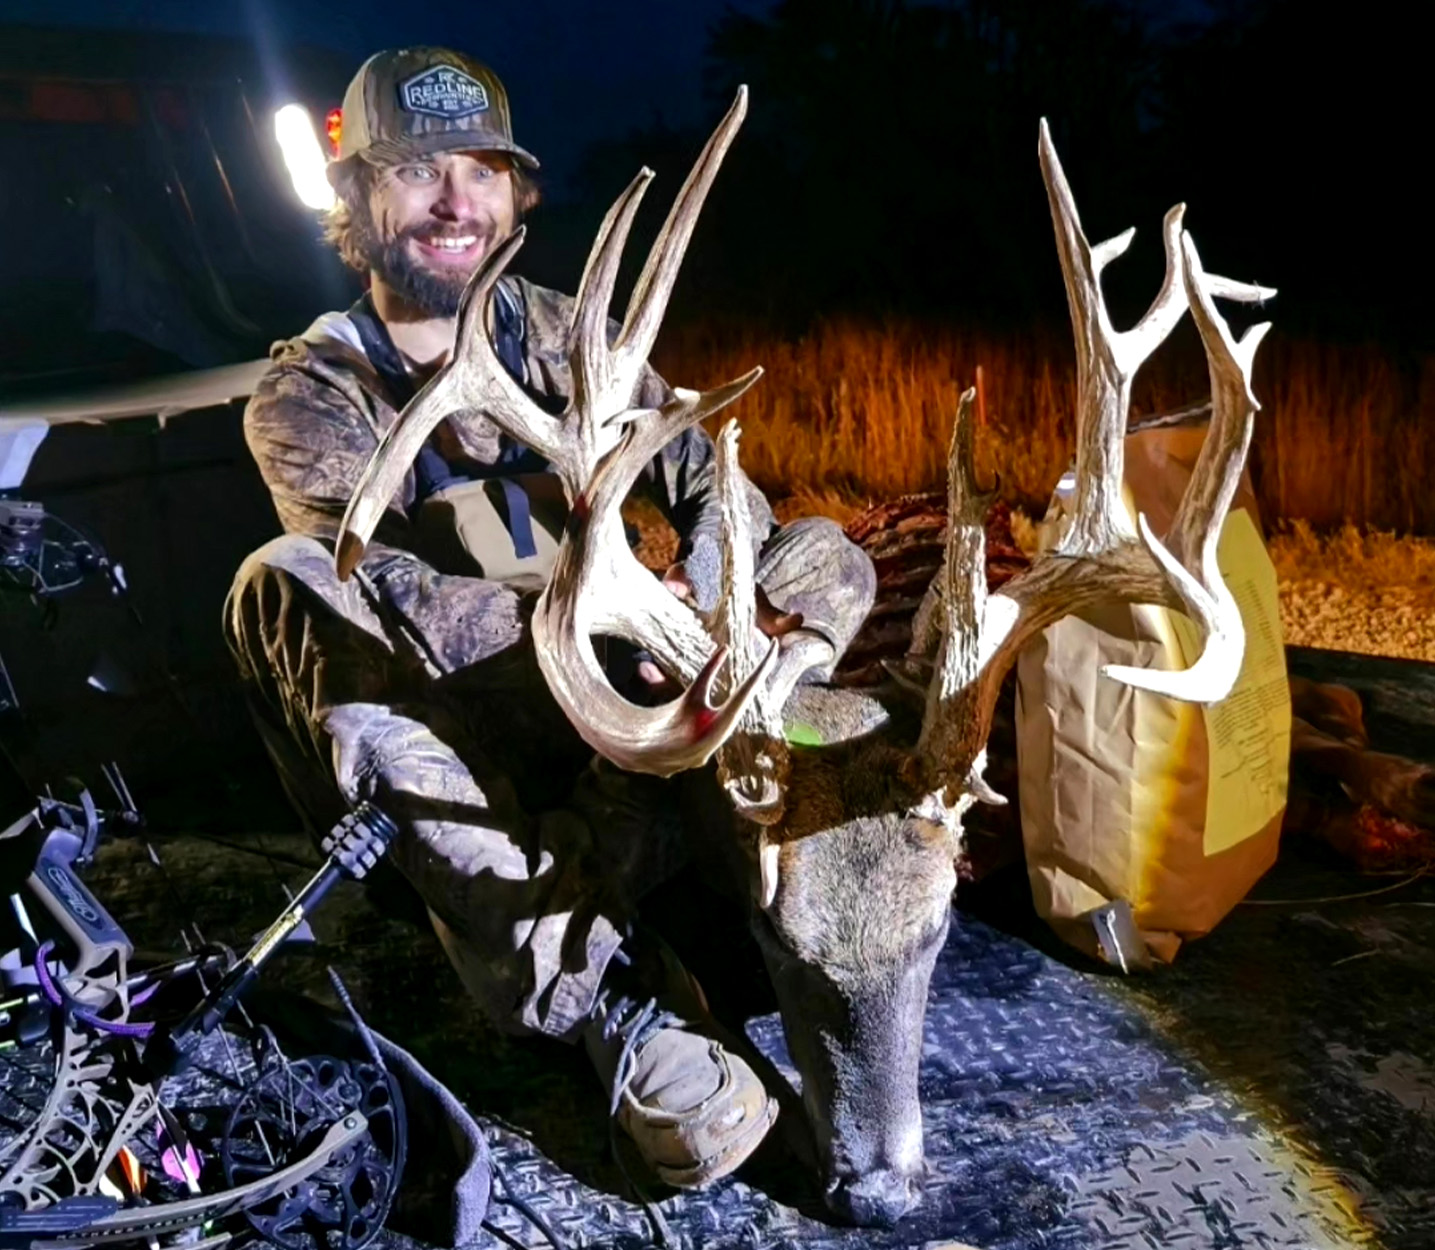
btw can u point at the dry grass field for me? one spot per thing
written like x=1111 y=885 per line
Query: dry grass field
x=1343 y=454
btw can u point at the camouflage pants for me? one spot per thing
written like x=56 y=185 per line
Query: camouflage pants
x=421 y=692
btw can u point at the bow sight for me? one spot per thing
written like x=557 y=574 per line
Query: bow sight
x=41 y=554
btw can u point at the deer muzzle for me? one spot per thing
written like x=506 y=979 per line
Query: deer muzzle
x=877 y=1200
x=858 y=1051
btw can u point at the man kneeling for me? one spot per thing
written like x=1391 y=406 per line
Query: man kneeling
x=415 y=684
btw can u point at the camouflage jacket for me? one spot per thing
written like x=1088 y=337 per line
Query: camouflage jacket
x=317 y=416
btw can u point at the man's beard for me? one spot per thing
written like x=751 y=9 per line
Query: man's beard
x=433 y=293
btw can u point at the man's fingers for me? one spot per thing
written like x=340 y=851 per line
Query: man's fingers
x=782 y=623
x=772 y=622
x=654 y=685
x=675 y=579
x=651 y=673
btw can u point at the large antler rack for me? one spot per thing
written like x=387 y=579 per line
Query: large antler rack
x=1100 y=557
x=598 y=445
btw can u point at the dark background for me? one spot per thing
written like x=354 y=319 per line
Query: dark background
x=888 y=165
x=889 y=158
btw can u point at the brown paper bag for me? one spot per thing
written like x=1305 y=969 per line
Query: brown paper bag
x=1174 y=808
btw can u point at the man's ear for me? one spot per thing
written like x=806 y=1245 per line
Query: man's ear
x=526 y=192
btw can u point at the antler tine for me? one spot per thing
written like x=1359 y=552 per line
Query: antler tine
x=1103 y=374
x=954 y=724
x=734 y=621
x=472 y=379
x=595 y=290
x=961 y=585
x=655 y=284
x=1189 y=555
x=596 y=382
x=753 y=763
x=1168 y=307
x=1217 y=473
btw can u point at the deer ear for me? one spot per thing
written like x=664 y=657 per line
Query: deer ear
x=767 y=865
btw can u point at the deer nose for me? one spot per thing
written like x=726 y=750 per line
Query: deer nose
x=876 y=1200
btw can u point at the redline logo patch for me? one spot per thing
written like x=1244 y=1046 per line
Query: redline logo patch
x=443 y=91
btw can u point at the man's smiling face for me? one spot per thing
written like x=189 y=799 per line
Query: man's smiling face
x=431 y=221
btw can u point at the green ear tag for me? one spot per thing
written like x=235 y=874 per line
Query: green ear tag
x=802 y=735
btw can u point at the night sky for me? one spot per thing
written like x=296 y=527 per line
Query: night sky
x=575 y=71
x=901 y=136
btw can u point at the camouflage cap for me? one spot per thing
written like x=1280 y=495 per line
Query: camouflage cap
x=412 y=102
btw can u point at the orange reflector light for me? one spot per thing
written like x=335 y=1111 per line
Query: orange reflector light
x=133 y=1173
x=334 y=127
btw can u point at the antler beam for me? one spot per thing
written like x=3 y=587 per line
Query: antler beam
x=1100 y=557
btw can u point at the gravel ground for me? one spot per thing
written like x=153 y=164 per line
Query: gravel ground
x=1323 y=613
x=1373 y=594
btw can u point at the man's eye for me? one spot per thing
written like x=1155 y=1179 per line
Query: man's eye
x=417 y=173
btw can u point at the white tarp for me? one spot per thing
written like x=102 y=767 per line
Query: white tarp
x=153 y=397
x=17 y=448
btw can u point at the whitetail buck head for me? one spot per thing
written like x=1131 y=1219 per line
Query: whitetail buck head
x=850 y=847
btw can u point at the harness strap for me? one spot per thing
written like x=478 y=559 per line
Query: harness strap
x=432 y=472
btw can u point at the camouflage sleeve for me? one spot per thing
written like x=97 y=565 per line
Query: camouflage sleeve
x=311 y=440
x=681 y=481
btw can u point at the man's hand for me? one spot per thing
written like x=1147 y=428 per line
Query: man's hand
x=772 y=622
x=675 y=579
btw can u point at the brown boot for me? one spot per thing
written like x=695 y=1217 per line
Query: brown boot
x=693 y=1107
